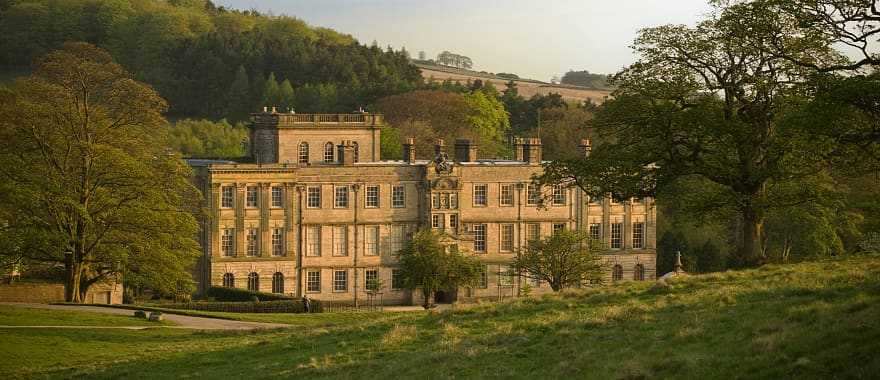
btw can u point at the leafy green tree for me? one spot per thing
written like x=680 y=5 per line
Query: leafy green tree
x=713 y=102
x=564 y=259
x=239 y=97
x=428 y=264
x=271 y=91
x=710 y=258
x=585 y=79
x=489 y=120
x=207 y=139
x=89 y=181
x=285 y=95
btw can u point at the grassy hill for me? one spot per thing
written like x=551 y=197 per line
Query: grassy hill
x=809 y=320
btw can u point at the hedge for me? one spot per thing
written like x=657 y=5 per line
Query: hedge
x=284 y=306
x=225 y=294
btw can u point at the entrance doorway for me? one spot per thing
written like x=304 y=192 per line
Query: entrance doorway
x=444 y=296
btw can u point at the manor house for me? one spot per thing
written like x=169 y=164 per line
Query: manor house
x=316 y=211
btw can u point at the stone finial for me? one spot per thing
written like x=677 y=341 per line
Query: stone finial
x=678 y=266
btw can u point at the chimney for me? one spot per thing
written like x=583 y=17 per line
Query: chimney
x=465 y=150
x=265 y=109
x=584 y=148
x=274 y=110
x=518 y=148
x=409 y=150
x=439 y=147
x=532 y=150
x=346 y=153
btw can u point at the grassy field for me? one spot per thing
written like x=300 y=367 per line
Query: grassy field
x=21 y=316
x=811 y=320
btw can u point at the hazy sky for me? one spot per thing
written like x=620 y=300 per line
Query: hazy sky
x=535 y=39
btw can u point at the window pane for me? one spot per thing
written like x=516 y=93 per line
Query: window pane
x=328 y=152
x=253 y=242
x=558 y=195
x=227 y=197
x=313 y=279
x=396 y=279
x=304 y=153
x=533 y=196
x=372 y=196
x=507 y=237
x=398 y=196
x=341 y=199
x=506 y=195
x=616 y=235
x=251 y=196
x=227 y=242
x=480 y=237
x=340 y=241
x=276 y=196
x=480 y=195
x=371 y=241
x=314 y=197
x=638 y=235
x=277 y=242
x=313 y=248
x=340 y=281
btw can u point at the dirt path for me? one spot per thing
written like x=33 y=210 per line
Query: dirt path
x=181 y=321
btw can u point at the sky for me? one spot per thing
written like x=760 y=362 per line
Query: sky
x=535 y=39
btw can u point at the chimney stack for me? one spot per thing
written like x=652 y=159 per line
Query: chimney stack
x=346 y=153
x=465 y=150
x=274 y=110
x=532 y=150
x=439 y=147
x=518 y=148
x=409 y=150
x=584 y=148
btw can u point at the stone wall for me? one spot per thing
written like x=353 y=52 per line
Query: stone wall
x=53 y=292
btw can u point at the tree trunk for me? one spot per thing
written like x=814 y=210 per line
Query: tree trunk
x=751 y=250
x=429 y=299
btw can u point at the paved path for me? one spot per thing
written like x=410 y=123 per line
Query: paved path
x=181 y=321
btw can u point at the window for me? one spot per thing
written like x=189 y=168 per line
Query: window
x=278 y=282
x=253 y=242
x=617 y=273
x=398 y=196
x=506 y=198
x=397 y=236
x=372 y=196
x=533 y=231
x=251 y=196
x=357 y=151
x=313 y=281
x=340 y=241
x=254 y=282
x=596 y=231
x=277 y=242
x=505 y=278
x=453 y=221
x=227 y=242
x=328 y=153
x=313 y=238
x=437 y=220
x=616 y=234
x=340 y=280
x=304 y=153
x=371 y=280
x=480 y=194
x=313 y=197
x=558 y=195
x=341 y=197
x=558 y=227
x=229 y=280
x=453 y=201
x=435 y=201
x=638 y=235
x=533 y=195
x=396 y=279
x=371 y=240
x=276 y=197
x=507 y=237
x=484 y=277
x=227 y=196
x=480 y=237
x=638 y=273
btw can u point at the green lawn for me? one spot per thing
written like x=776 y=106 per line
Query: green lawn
x=23 y=316
x=811 y=320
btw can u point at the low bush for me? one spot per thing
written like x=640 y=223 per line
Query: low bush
x=282 y=306
x=225 y=294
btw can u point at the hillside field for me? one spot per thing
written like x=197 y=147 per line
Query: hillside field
x=815 y=320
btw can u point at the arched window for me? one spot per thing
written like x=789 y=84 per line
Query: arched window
x=328 y=152
x=278 y=283
x=253 y=282
x=229 y=280
x=304 y=153
x=357 y=152
x=639 y=273
x=617 y=273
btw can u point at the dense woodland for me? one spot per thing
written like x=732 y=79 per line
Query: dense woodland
x=213 y=66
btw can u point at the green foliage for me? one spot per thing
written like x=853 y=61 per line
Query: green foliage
x=207 y=139
x=565 y=259
x=585 y=79
x=489 y=120
x=197 y=56
x=90 y=183
x=427 y=264
x=226 y=294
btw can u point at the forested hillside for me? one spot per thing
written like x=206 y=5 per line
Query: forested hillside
x=208 y=61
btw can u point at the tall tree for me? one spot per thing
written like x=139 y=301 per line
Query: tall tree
x=428 y=264
x=564 y=259
x=713 y=102
x=89 y=181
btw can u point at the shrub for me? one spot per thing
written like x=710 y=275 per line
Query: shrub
x=220 y=293
x=277 y=306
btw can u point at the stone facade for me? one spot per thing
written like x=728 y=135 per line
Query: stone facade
x=325 y=226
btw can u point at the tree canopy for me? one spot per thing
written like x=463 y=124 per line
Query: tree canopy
x=428 y=264
x=564 y=259
x=89 y=181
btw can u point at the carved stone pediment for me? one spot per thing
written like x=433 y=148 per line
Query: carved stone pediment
x=444 y=183
x=442 y=164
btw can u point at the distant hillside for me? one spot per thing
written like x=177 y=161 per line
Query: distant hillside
x=527 y=87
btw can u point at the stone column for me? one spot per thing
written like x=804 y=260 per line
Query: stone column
x=264 y=201
x=240 y=239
